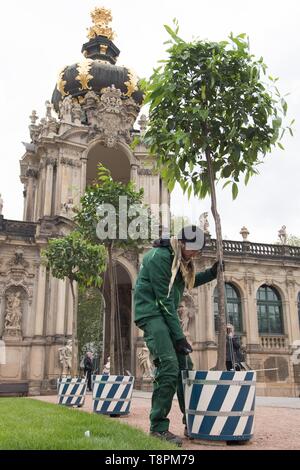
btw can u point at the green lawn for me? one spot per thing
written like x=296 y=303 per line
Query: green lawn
x=30 y=424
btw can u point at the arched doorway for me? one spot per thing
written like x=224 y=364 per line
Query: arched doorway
x=123 y=325
x=115 y=159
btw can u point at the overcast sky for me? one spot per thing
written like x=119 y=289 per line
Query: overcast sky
x=39 y=37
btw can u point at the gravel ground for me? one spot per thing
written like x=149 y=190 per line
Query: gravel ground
x=275 y=427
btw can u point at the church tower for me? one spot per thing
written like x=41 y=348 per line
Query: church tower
x=90 y=119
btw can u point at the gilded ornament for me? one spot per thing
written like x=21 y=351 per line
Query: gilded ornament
x=101 y=17
x=84 y=76
x=132 y=83
x=103 y=49
x=61 y=83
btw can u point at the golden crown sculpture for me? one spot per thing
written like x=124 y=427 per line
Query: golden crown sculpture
x=101 y=18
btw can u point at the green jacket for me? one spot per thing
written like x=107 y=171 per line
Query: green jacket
x=152 y=286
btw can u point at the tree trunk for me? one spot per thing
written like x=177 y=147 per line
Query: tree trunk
x=221 y=359
x=112 y=289
x=74 y=333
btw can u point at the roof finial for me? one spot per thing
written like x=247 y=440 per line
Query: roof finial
x=101 y=18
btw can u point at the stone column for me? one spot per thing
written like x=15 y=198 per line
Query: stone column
x=31 y=175
x=134 y=174
x=165 y=205
x=83 y=175
x=209 y=332
x=290 y=313
x=40 y=302
x=61 y=304
x=70 y=310
x=48 y=187
x=249 y=306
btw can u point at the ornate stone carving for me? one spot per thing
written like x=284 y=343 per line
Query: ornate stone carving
x=244 y=232
x=145 y=172
x=18 y=259
x=65 y=110
x=31 y=173
x=65 y=357
x=13 y=314
x=68 y=206
x=112 y=118
x=145 y=363
x=282 y=235
x=203 y=222
x=70 y=162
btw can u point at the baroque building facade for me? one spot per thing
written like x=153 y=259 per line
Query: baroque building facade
x=96 y=104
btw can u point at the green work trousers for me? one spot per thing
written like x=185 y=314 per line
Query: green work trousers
x=169 y=365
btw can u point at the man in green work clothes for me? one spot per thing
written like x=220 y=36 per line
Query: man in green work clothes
x=165 y=271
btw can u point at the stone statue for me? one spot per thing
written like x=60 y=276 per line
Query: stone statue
x=76 y=111
x=12 y=322
x=68 y=206
x=282 y=235
x=48 y=109
x=1 y=204
x=184 y=316
x=65 y=357
x=203 y=222
x=106 y=369
x=65 y=109
x=145 y=363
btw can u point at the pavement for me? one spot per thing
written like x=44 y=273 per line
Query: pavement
x=277 y=422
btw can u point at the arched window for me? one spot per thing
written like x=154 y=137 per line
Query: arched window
x=234 y=308
x=269 y=311
x=298 y=304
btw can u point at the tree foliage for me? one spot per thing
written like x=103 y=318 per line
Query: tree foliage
x=77 y=259
x=216 y=96
x=214 y=114
x=107 y=191
x=90 y=315
x=101 y=206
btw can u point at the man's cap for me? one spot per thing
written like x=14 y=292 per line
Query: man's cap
x=193 y=237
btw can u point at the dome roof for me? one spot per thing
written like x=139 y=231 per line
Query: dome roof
x=97 y=70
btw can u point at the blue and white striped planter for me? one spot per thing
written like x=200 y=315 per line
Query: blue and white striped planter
x=71 y=391
x=112 y=394
x=219 y=405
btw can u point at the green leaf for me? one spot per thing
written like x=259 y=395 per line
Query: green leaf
x=226 y=184
x=172 y=34
x=235 y=190
x=280 y=146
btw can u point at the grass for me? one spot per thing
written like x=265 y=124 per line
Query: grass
x=27 y=424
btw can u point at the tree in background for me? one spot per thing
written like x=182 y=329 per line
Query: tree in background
x=90 y=317
x=214 y=115
x=81 y=262
x=103 y=219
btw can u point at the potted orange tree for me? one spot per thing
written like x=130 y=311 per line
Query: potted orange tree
x=112 y=392
x=214 y=115
x=81 y=262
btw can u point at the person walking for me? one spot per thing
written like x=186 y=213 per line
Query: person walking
x=88 y=368
x=166 y=270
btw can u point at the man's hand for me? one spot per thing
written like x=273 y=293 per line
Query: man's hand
x=215 y=266
x=183 y=347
